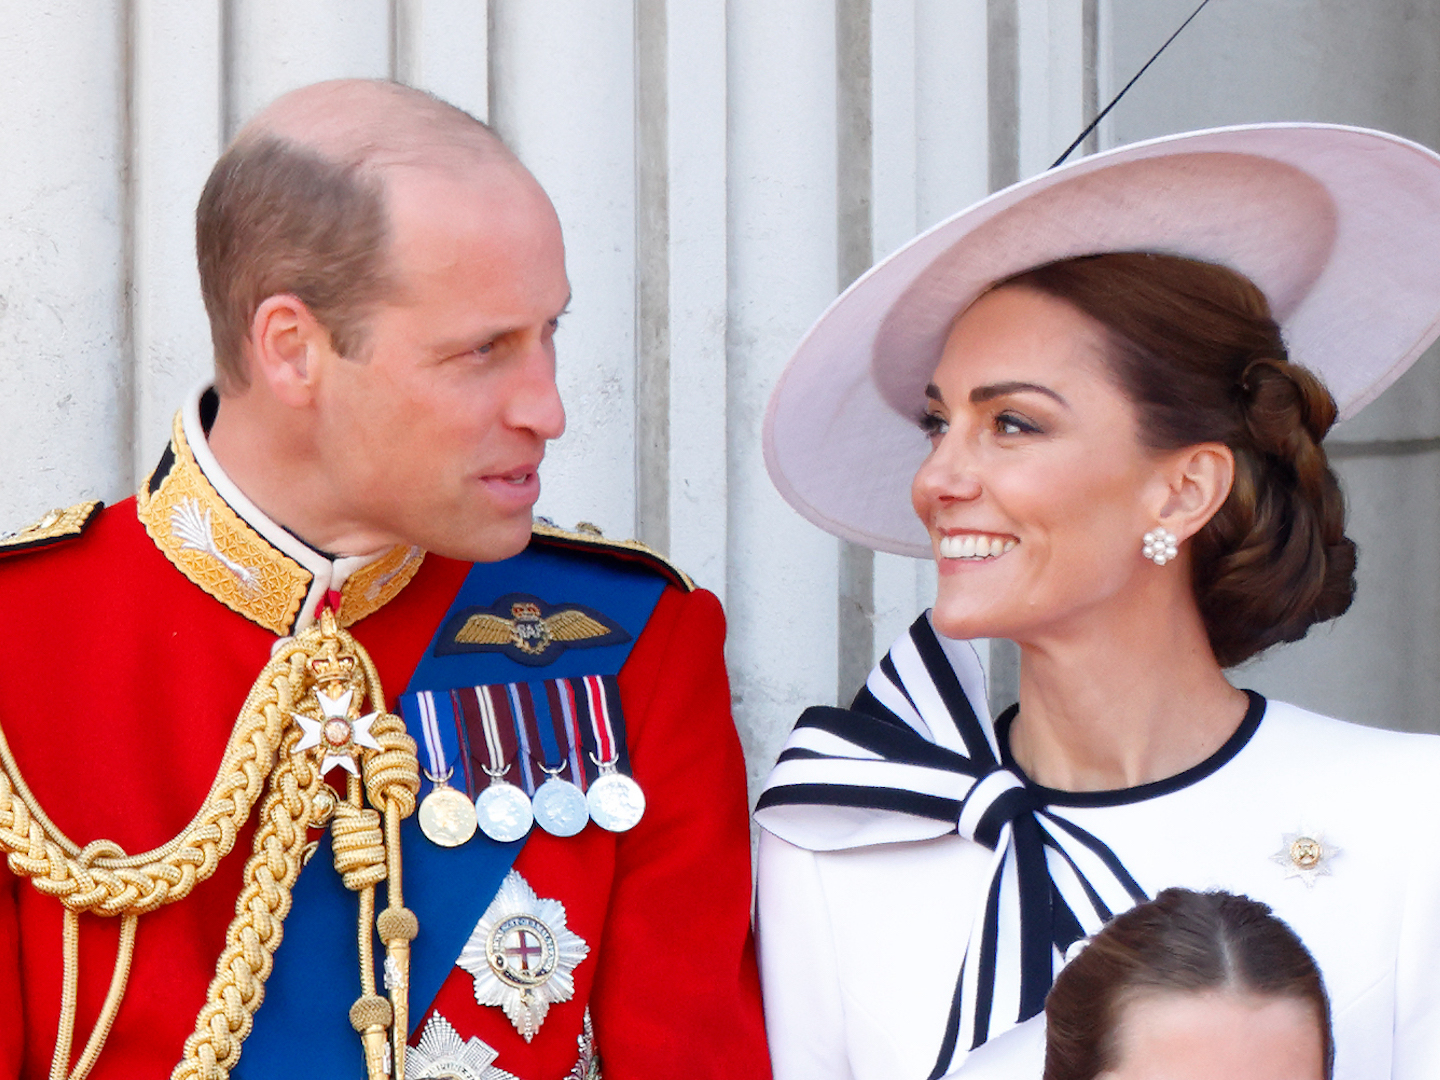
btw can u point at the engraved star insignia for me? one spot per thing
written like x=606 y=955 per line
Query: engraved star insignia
x=341 y=736
x=1306 y=855
x=444 y=1055
x=522 y=956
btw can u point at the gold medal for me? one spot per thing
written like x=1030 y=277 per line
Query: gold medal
x=447 y=816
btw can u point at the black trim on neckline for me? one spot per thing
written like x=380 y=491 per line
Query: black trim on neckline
x=162 y=470
x=209 y=409
x=1120 y=796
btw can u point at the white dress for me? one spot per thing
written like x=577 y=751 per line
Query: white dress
x=860 y=946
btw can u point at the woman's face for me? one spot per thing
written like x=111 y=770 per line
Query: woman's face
x=1037 y=490
x=1218 y=1035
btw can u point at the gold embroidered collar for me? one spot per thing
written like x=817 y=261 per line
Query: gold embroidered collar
x=222 y=542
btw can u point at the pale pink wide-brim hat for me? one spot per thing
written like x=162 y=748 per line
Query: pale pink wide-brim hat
x=1339 y=226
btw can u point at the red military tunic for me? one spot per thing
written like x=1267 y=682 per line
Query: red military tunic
x=120 y=683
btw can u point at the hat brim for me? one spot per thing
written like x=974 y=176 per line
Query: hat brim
x=1338 y=226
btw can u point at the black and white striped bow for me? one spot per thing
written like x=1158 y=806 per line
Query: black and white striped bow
x=912 y=761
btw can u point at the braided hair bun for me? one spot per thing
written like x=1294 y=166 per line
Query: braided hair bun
x=1194 y=347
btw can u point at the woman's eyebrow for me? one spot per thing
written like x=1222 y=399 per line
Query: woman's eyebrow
x=988 y=393
x=933 y=393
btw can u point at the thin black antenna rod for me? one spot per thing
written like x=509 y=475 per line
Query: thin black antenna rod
x=1103 y=112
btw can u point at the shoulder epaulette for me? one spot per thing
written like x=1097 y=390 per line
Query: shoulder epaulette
x=586 y=537
x=56 y=527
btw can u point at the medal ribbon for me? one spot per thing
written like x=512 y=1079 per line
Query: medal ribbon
x=487 y=715
x=522 y=715
x=563 y=712
x=539 y=728
x=911 y=761
x=600 y=720
x=439 y=725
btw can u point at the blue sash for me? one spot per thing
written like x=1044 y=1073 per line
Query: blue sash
x=303 y=1027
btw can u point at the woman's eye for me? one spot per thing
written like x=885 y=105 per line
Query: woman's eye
x=933 y=426
x=1010 y=424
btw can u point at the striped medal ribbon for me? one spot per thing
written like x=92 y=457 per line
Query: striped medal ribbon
x=615 y=800
x=503 y=808
x=548 y=727
x=447 y=816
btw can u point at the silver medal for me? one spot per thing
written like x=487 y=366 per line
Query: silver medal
x=504 y=811
x=447 y=816
x=615 y=801
x=560 y=807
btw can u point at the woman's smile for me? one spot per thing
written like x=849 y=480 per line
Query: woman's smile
x=974 y=546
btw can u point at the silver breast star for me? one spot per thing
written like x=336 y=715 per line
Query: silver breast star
x=1306 y=855
x=444 y=1055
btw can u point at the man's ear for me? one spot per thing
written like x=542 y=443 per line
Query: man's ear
x=286 y=348
x=1199 y=479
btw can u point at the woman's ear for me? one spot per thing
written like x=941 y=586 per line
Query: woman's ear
x=285 y=346
x=1199 y=479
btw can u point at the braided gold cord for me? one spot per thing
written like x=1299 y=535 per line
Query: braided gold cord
x=64 y=1038
x=361 y=857
x=256 y=931
x=114 y=883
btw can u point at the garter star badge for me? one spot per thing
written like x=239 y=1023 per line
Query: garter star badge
x=522 y=955
x=1306 y=855
x=444 y=1055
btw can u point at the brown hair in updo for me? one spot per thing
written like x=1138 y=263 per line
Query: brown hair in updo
x=1180 y=942
x=1194 y=347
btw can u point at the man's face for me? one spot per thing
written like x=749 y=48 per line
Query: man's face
x=434 y=437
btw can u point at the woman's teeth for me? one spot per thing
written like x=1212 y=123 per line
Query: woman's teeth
x=972 y=546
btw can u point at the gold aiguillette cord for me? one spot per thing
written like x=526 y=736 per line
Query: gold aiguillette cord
x=101 y=879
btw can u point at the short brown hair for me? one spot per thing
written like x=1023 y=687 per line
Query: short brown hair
x=1194 y=347
x=1180 y=942
x=276 y=217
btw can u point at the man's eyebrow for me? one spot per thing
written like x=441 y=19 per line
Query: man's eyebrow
x=989 y=393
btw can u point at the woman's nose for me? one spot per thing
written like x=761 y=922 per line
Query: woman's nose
x=949 y=474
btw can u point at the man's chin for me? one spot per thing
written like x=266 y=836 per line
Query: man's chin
x=490 y=542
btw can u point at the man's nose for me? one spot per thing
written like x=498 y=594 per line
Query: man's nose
x=535 y=399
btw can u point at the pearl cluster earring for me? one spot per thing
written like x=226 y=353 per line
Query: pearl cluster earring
x=1159 y=545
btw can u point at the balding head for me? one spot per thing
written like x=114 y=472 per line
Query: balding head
x=298 y=204
x=375 y=124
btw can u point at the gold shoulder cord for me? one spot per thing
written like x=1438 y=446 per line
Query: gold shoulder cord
x=307 y=705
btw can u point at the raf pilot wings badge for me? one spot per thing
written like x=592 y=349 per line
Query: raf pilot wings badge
x=527 y=629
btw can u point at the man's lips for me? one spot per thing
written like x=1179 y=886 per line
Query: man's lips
x=519 y=485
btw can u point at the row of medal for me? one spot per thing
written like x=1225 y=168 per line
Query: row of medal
x=505 y=813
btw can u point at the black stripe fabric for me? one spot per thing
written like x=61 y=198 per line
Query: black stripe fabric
x=865 y=798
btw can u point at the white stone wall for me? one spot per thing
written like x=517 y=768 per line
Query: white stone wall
x=721 y=168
